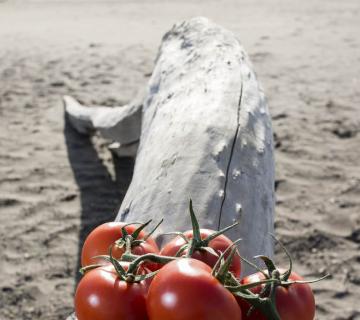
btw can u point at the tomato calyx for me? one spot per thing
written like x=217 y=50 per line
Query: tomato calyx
x=149 y=257
x=221 y=269
x=223 y=274
x=131 y=274
x=135 y=262
x=196 y=242
x=265 y=300
x=130 y=240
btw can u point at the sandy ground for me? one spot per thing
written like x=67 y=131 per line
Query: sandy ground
x=56 y=185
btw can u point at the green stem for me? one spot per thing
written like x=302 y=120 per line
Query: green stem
x=195 y=223
x=136 y=233
x=128 y=244
x=129 y=257
x=123 y=228
x=85 y=269
x=271 y=312
x=249 y=285
x=267 y=309
x=222 y=255
x=287 y=283
x=192 y=246
x=223 y=272
x=264 y=305
x=153 y=230
x=148 y=257
x=214 y=235
x=287 y=273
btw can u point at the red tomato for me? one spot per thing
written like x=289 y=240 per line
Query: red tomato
x=185 y=289
x=220 y=243
x=101 y=238
x=102 y=295
x=296 y=302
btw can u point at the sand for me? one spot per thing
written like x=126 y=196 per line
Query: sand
x=56 y=185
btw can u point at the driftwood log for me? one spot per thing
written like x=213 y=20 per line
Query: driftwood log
x=203 y=132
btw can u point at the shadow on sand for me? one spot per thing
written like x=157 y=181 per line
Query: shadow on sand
x=100 y=194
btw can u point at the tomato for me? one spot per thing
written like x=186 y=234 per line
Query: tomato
x=101 y=238
x=220 y=243
x=185 y=289
x=102 y=295
x=295 y=302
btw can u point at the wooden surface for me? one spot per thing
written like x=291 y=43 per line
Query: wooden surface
x=206 y=135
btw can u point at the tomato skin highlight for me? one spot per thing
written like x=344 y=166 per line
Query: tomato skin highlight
x=102 y=237
x=296 y=302
x=184 y=289
x=101 y=295
x=220 y=243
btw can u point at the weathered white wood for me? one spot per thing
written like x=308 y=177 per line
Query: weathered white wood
x=206 y=135
x=121 y=124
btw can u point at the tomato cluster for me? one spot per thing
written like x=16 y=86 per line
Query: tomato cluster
x=194 y=276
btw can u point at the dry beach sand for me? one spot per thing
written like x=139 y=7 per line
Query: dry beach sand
x=56 y=185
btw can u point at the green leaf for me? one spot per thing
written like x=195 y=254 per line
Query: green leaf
x=285 y=276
